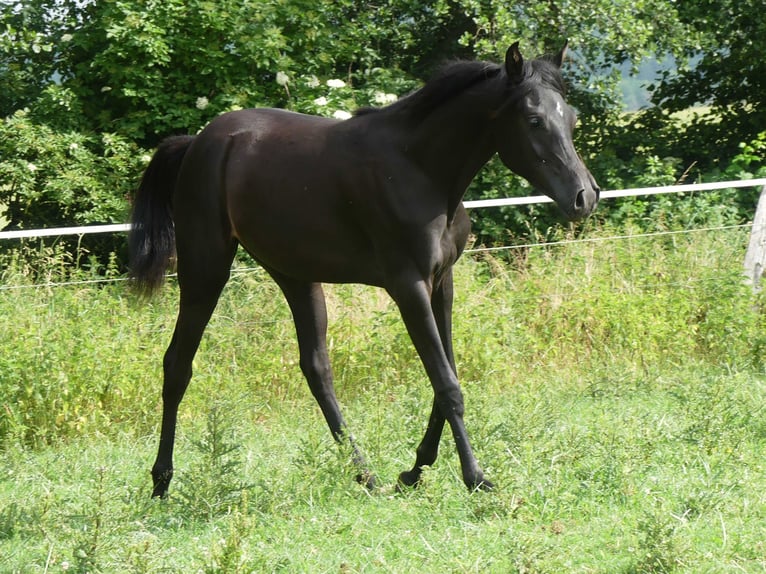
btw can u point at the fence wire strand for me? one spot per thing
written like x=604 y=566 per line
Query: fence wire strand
x=602 y=239
x=477 y=250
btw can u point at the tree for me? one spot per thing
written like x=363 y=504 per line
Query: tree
x=149 y=69
x=28 y=54
x=145 y=69
x=729 y=75
x=140 y=70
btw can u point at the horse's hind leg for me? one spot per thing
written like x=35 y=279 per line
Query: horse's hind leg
x=201 y=277
x=307 y=303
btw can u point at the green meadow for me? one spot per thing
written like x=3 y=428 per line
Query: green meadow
x=615 y=393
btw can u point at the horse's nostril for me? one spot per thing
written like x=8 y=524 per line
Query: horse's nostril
x=580 y=200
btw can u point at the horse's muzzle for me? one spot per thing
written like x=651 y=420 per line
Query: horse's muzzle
x=585 y=202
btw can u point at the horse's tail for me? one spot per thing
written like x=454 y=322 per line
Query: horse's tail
x=151 y=240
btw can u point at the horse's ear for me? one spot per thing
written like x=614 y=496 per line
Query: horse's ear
x=514 y=63
x=558 y=59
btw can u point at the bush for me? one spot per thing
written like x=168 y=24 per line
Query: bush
x=50 y=178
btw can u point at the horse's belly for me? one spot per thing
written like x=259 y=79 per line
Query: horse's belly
x=306 y=241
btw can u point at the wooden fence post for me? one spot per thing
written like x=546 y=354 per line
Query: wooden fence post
x=755 y=258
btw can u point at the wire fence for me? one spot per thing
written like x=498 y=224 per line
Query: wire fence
x=606 y=238
x=478 y=204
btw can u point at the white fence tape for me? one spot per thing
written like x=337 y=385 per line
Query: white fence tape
x=533 y=199
x=622 y=193
x=58 y=231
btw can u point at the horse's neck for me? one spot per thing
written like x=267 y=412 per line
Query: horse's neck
x=453 y=144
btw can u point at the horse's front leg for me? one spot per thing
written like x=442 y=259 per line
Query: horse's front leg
x=428 y=321
x=428 y=449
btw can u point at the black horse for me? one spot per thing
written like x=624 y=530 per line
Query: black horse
x=375 y=199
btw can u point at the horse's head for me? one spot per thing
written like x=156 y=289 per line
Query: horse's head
x=534 y=128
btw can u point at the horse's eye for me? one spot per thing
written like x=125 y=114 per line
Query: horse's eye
x=536 y=122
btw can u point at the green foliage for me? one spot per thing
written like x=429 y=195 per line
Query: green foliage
x=56 y=384
x=614 y=392
x=750 y=161
x=603 y=35
x=87 y=541
x=730 y=76
x=50 y=178
x=507 y=225
x=214 y=486
x=29 y=35
x=657 y=551
x=147 y=70
x=112 y=78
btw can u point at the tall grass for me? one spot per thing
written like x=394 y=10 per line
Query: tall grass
x=615 y=392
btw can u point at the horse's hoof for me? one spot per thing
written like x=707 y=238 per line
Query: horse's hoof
x=161 y=483
x=160 y=492
x=408 y=479
x=367 y=480
x=483 y=485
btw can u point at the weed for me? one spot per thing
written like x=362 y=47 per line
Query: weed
x=10 y=518
x=658 y=550
x=89 y=538
x=230 y=554
x=213 y=486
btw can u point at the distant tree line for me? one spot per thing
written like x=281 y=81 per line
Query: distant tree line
x=89 y=88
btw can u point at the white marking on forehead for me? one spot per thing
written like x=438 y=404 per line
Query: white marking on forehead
x=559 y=109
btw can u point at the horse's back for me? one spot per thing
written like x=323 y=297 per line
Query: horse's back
x=262 y=155
x=314 y=198
x=282 y=181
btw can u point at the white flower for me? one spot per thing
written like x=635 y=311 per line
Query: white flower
x=106 y=89
x=312 y=82
x=73 y=146
x=65 y=565
x=146 y=158
x=67 y=38
x=341 y=115
x=202 y=103
x=322 y=101
x=31 y=167
x=282 y=79
x=336 y=84
x=383 y=98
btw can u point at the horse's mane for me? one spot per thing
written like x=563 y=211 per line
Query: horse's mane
x=450 y=80
x=456 y=77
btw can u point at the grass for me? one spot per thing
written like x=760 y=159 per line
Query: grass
x=615 y=393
